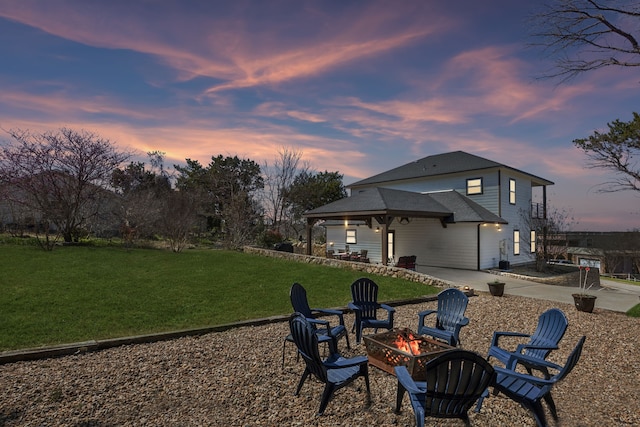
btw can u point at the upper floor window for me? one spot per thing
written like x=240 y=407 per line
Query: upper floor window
x=351 y=237
x=516 y=242
x=474 y=186
x=512 y=191
x=533 y=241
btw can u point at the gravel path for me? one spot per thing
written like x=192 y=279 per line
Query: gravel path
x=235 y=378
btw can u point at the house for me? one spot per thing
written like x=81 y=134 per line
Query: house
x=452 y=210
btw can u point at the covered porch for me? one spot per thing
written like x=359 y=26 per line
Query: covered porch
x=378 y=208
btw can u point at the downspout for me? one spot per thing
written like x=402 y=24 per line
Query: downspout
x=478 y=249
x=499 y=193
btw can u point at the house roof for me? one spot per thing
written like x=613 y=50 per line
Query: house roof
x=441 y=164
x=450 y=206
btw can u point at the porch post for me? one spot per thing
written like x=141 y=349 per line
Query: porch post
x=385 y=222
x=385 y=244
x=309 y=230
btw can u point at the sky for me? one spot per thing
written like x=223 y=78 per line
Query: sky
x=358 y=87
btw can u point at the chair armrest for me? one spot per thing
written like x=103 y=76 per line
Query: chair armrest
x=515 y=358
x=535 y=347
x=353 y=306
x=497 y=335
x=464 y=321
x=402 y=374
x=330 y=312
x=388 y=308
x=524 y=377
x=422 y=315
x=318 y=321
x=327 y=311
x=341 y=362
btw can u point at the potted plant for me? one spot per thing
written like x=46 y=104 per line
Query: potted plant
x=496 y=288
x=582 y=300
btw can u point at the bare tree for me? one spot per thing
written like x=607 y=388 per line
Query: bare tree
x=61 y=176
x=550 y=233
x=178 y=218
x=585 y=35
x=278 y=179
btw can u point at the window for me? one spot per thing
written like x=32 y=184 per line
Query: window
x=533 y=241
x=391 y=246
x=474 y=186
x=516 y=242
x=351 y=237
x=512 y=191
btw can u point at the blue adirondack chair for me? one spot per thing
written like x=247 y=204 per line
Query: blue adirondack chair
x=364 y=294
x=452 y=303
x=335 y=371
x=453 y=383
x=326 y=333
x=529 y=390
x=552 y=325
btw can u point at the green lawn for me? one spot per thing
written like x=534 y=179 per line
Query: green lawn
x=83 y=293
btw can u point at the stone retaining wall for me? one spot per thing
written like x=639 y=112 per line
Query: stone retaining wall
x=379 y=269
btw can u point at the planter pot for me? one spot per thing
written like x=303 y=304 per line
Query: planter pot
x=496 y=288
x=584 y=302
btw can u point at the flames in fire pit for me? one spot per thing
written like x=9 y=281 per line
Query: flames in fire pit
x=408 y=343
x=402 y=347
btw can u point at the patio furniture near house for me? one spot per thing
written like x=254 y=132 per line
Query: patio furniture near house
x=334 y=372
x=452 y=304
x=529 y=390
x=364 y=303
x=408 y=262
x=453 y=382
x=326 y=333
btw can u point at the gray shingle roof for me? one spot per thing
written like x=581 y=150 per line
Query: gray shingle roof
x=451 y=206
x=440 y=164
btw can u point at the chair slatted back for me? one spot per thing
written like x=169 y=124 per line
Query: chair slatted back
x=306 y=340
x=299 y=301
x=364 y=293
x=455 y=381
x=572 y=361
x=452 y=304
x=552 y=324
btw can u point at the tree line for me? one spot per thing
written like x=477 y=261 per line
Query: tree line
x=68 y=184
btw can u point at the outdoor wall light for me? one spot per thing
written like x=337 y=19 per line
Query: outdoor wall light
x=377 y=229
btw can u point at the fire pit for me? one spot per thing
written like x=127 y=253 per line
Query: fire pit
x=402 y=347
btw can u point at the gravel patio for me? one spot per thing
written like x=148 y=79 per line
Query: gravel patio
x=235 y=378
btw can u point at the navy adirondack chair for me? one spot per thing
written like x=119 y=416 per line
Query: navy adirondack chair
x=335 y=371
x=529 y=390
x=454 y=382
x=364 y=294
x=552 y=324
x=326 y=333
x=452 y=303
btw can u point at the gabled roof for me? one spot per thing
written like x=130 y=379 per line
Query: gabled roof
x=450 y=206
x=441 y=164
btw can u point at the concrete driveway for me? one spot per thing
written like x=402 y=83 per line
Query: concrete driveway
x=612 y=296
